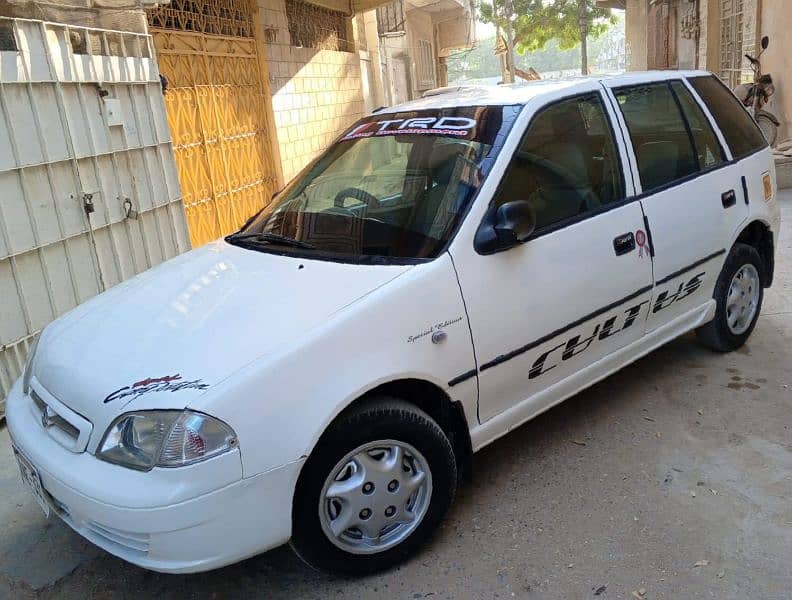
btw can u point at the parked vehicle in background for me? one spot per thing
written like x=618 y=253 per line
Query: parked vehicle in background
x=755 y=95
x=447 y=270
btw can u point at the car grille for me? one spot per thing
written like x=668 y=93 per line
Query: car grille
x=61 y=423
x=55 y=419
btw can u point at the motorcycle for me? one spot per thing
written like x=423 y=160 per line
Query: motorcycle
x=755 y=95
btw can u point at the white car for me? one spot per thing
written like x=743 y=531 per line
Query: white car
x=447 y=270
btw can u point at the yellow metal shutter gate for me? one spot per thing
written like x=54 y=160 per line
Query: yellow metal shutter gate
x=217 y=104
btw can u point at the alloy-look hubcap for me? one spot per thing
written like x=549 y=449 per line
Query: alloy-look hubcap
x=743 y=299
x=375 y=497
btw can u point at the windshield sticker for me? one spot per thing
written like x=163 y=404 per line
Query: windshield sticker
x=150 y=385
x=432 y=329
x=456 y=126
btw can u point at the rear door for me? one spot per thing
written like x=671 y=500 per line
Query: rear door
x=749 y=149
x=689 y=189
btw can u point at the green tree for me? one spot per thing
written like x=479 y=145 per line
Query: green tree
x=536 y=22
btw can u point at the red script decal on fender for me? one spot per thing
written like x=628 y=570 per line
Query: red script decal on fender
x=150 y=385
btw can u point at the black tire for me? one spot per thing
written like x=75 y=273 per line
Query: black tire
x=716 y=334
x=382 y=418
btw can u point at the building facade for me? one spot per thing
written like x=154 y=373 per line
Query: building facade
x=415 y=39
x=714 y=35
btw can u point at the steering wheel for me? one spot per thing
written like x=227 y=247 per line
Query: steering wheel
x=363 y=196
x=567 y=179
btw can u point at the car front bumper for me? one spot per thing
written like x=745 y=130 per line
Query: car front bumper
x=238 y=520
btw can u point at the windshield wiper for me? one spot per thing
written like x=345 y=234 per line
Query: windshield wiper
x=271 y=238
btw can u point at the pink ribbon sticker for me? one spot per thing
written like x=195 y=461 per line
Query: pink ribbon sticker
x=640 y=239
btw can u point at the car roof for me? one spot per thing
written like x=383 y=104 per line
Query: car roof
x=521 y=93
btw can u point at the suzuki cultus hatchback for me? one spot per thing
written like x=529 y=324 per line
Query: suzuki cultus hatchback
x=445 y=271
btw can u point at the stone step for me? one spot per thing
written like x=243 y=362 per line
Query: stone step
x=783 y=171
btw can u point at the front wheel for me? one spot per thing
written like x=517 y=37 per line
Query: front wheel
x=738 y=294
x=374 y=489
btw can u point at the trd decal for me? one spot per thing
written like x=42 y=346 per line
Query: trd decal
x=614 y=324
x=432 y=328
x=457 y=126
x=168 y=383
x=665 y=299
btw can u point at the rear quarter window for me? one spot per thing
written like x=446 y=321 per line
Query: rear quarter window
x=741 y=132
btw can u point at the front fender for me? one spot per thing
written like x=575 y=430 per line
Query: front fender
x=280 y=406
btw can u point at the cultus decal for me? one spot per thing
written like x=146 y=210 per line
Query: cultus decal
x=665 y=299
x=575 y=345
x=169 y=383
x=578 y=344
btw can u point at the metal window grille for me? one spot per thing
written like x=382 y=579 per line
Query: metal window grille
x=737 y=37
x=424 y=67
x=217 y=17
x=312 y=26
x=390 y=19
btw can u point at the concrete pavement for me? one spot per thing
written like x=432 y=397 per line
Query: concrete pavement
x=672 y=478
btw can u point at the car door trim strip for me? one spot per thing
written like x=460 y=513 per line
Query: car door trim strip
x=690 y=267
x=464 y=377
x=522 y=349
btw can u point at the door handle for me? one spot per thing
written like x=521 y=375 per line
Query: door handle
x=624 y=243
x=728 y=199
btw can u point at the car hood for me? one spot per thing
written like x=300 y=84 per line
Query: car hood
x=168 y=335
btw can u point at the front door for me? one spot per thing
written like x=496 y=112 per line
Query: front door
x=692 y=196
x=579 y=288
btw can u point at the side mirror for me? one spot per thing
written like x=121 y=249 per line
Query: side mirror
x=511 y=224
x=765 y=42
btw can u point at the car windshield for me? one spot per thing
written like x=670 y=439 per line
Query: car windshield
x=395 y=186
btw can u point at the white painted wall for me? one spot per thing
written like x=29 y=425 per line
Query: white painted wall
x=71 y=124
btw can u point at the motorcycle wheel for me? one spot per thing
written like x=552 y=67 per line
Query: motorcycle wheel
x=768 y=128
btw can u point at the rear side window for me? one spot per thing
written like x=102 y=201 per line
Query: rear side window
x=708 y=149
x=739 y=129
x=567 y=164
x=659 y=134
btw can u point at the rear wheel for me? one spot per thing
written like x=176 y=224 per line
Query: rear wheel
x=738 y=294
x=375 y=488
x=768 y=128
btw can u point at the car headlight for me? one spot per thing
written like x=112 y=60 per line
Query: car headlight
x=146 y=439
x=27 y=373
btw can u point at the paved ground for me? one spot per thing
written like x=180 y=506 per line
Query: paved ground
x=673 y=477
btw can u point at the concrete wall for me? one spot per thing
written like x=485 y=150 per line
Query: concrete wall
x=316 y=94
x=635 y=23
x=776 y=22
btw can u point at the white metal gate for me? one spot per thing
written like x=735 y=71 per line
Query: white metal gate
x=89 y=194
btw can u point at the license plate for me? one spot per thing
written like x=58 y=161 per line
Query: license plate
x=31 y=477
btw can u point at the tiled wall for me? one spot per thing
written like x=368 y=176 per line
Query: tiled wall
x=316 y=94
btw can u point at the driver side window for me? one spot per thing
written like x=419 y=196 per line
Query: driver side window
x=567 y=163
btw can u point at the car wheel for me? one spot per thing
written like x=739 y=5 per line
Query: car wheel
x=738 y=293
x=374 y=489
